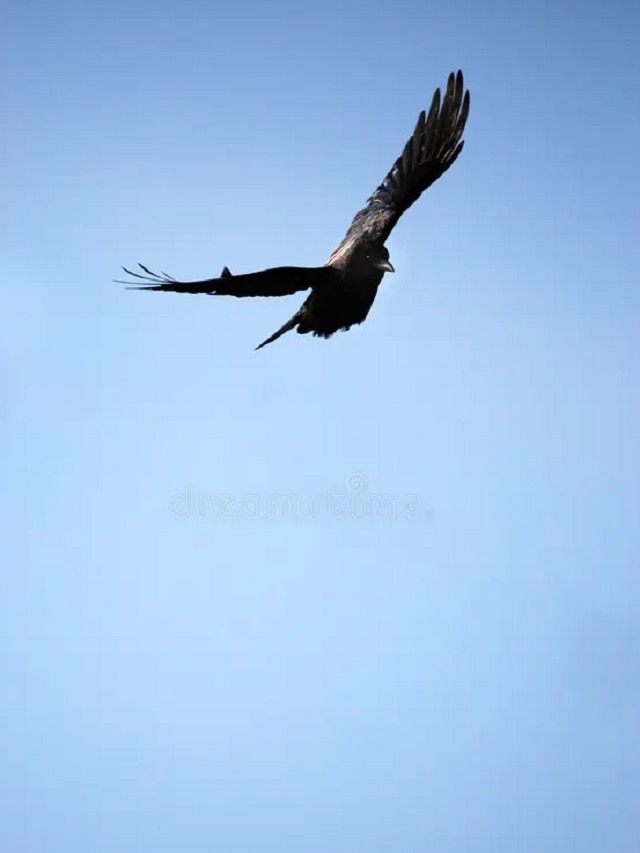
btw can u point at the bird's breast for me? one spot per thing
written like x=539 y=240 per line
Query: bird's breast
x=340 y=307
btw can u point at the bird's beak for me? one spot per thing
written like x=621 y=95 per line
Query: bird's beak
x=386 y=266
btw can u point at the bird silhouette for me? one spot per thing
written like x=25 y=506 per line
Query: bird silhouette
x=343 y=290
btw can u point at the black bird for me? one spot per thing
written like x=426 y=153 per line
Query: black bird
x=343 y=290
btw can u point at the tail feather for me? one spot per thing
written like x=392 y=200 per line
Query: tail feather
x=288 y=326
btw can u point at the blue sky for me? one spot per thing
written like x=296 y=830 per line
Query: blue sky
x=185 y=669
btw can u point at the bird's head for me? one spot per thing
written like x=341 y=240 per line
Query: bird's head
x=378 y=257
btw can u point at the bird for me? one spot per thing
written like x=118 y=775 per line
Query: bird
x=343 y=290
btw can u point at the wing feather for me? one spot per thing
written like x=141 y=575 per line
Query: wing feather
x=277 y=281
x=433 y=147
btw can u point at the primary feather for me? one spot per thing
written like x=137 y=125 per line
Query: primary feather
x=433 y=147
x=278 y=281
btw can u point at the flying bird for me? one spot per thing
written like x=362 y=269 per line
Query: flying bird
x=342 y=291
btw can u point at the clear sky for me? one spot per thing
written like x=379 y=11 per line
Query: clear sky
x=432 y=642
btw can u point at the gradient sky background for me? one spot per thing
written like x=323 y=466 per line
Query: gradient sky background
x=175 y=679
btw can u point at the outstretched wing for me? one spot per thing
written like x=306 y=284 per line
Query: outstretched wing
x=278 y=281
x=433 y=147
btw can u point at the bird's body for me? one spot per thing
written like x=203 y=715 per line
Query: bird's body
x=344 y=300
x=344 y=289
x=333 y=309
